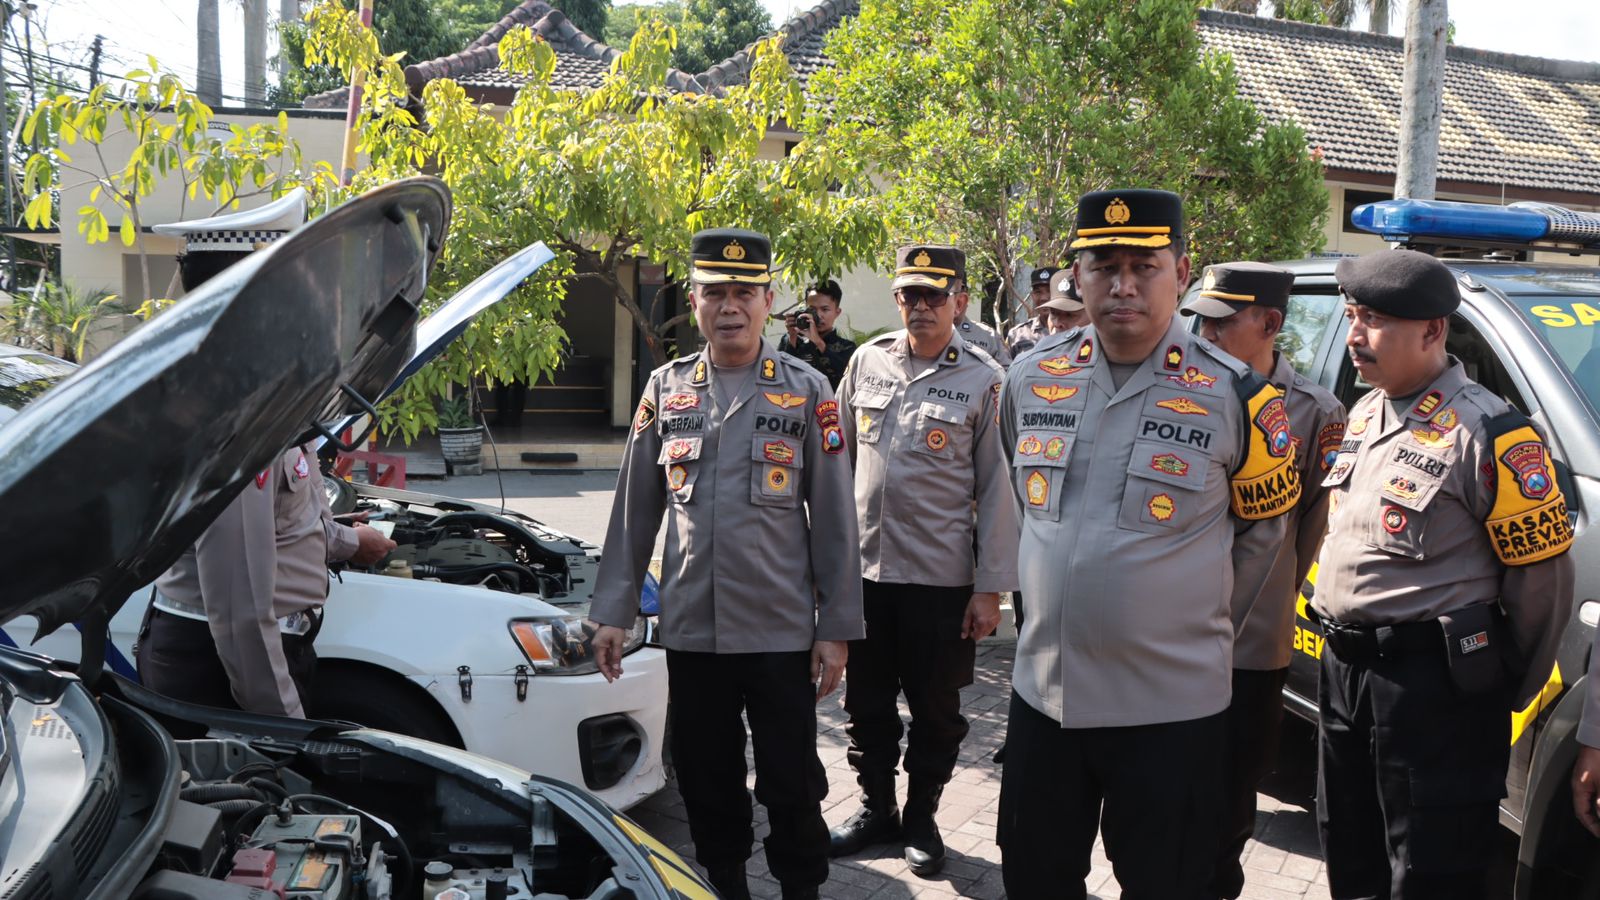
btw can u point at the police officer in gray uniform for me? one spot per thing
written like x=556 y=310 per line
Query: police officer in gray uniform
x=233 y=621
x=1242 y=308
x=919 y=410
x=741 y=448
x=1023 y=335
x=1153 y=472
x=1443 y=589
x=976 y=333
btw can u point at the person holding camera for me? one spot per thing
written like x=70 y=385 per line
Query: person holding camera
x=918 y=410
x=811 y=337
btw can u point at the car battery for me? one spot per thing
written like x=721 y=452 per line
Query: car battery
x=314 y=854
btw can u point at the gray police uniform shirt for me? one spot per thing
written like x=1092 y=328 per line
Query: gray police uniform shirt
x=1022 y=336
x=927 y=452
x=984 y=338
x=761 y=549
x=1432 y=511
x=1265 y=622
x=259 y=564
x=1129 y=557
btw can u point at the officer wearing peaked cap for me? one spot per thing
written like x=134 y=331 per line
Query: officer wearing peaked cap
x=234 y=619
x=1443 y=588
x=974 y=332
x=741 y=448
x=1064 y=310
x=1242 y=308
x=938 y=544
x=1023 y=335
x=1174 y=450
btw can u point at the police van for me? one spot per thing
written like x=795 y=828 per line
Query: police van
x=1529 y=332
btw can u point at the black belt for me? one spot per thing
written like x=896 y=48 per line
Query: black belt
x=1361 y=642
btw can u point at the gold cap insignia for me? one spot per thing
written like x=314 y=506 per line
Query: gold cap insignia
x=1118 y=213
x=1210 y=280
x=733 y=251
x=922 y=259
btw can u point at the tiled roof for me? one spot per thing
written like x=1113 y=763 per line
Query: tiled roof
x=802 y=43
x=1507 y=120
x=581 y=61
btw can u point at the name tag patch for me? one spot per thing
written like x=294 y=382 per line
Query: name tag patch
x=1173 y=433
x=1428 y=465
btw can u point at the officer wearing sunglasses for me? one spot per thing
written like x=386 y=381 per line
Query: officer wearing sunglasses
x=938 y=543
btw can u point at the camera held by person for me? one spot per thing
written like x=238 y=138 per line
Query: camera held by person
x=810 y=335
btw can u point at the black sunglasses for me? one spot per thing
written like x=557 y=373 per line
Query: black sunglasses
x=910 y=297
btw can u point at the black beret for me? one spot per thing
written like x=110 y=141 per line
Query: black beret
x=730 y=254
x=1400 y=283
x=1228 y=288
x=1134 y=217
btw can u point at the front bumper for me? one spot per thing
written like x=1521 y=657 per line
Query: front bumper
x=575 y=728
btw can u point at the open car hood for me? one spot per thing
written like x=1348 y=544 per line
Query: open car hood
x=106 y=478
x=445 y=324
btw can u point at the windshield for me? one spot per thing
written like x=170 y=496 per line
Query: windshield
x=24 y=377
x=1571 y=326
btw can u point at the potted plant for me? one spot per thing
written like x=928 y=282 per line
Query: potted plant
x=460 y=436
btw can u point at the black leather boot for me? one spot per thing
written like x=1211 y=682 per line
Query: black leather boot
x=730 y=881
x=924 y=846
x=876 y=822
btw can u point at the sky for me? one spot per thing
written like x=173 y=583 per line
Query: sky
x=1563 y=29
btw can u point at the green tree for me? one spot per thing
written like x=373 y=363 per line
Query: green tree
x=56 y=318
x=420 y=29
x=987 y=119
x=709 y=31
x=626 y=172
x=168 y=128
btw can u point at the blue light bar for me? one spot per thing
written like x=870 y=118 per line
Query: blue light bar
x=1397 y=220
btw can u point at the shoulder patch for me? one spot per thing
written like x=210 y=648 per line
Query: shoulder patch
x=827 y=413
x=645 y=415
x=1528 y=522
x=1267 y=482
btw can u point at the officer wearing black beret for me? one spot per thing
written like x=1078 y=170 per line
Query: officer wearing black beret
x=1443 y=588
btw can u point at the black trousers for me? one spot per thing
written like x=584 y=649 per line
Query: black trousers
x=177 y=657
x=1254 y=718
x=1411 y=772
x=1153 y=791
x=913 y=646
x=708 y=691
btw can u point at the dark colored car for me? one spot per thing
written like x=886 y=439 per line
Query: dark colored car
x=108 y=790
x=1529 y=332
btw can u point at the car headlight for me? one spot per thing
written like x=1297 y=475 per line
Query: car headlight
x=565 y=645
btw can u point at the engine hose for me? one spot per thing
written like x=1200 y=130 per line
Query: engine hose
x=233 y=809
x=269 y=788
x=524 y=574
x=222 y=790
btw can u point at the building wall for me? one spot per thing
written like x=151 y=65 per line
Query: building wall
x=108 y=265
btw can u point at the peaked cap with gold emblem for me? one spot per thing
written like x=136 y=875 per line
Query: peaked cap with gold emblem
x=1128 y=218
x=928 y=265
x=730 y=254
x=1227 y=288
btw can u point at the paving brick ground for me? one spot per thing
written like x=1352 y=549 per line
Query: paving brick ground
x=1280 y=864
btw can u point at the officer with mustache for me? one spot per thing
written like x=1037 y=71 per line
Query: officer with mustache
x=938 y=545
x=1443 y=588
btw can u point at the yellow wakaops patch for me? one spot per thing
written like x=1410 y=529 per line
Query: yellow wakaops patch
x=1267 y=484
